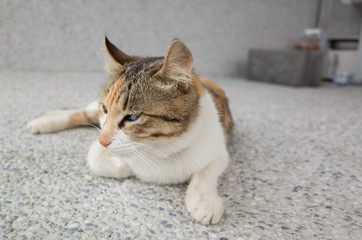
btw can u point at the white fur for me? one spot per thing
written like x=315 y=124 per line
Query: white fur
x=93 y=106
x=199 y=155
x=103 y=163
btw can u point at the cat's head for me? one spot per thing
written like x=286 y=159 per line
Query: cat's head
x=147 y=99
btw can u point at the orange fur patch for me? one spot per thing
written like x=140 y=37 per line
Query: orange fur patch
x=200 y=90
x=82 y=118
x=221 y=102
x=112 y=96
x=105 y=137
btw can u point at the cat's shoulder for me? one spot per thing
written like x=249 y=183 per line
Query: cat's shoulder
x=222 y=103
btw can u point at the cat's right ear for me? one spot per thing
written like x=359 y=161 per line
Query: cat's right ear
x=116 y=57
x=177 y=65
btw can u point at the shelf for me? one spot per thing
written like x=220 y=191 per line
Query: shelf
x=347 y=37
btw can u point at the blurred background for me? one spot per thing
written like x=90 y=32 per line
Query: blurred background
x=67 y=35
x=295 y=169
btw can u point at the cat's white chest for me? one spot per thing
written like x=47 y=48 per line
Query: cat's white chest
x=160 y=171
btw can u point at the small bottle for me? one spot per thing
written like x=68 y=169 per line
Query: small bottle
x=335 y=65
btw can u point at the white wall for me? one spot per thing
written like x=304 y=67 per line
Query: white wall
x=67 y=35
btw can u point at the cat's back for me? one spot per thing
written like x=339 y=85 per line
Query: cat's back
x=222 y=104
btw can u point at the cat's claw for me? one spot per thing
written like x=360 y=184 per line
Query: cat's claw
x=206 y=210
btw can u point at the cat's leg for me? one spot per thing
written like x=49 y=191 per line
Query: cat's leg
x=104 y=163
x=202 y=200
x=64 y=119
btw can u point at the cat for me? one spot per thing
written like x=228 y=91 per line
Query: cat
x=159 y=122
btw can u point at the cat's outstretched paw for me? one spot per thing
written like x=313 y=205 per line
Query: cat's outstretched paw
x=42 y=125
x=205 y=209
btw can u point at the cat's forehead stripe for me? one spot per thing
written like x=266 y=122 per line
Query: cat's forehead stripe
x=113 y=94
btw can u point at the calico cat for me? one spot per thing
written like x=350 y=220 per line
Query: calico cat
x=159 y=122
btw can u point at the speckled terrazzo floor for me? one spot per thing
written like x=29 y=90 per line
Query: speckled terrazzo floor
x=296 y=168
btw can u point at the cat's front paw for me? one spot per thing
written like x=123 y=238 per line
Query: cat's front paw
x=50 y=122
x=205 y=209
x=39 y=125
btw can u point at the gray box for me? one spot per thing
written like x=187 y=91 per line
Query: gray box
x=295 y=68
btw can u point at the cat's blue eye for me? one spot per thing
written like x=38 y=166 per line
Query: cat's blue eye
x=131 y=117
x=128 y=118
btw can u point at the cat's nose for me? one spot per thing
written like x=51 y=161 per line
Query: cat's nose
x=105 y=138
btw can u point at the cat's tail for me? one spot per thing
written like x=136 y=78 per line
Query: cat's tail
x=64 y=119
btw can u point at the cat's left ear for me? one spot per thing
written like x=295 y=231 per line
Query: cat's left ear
x=117 y=57
x=177 y=65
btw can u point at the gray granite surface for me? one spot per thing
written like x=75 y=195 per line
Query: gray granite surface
x=295 y=172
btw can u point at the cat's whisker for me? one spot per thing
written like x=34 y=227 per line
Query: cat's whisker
x=91 y=125
x=143 y=158
x=147 y=159
x=160 y=155
x=151 y=164
x=163 y=179
x=151 y=149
